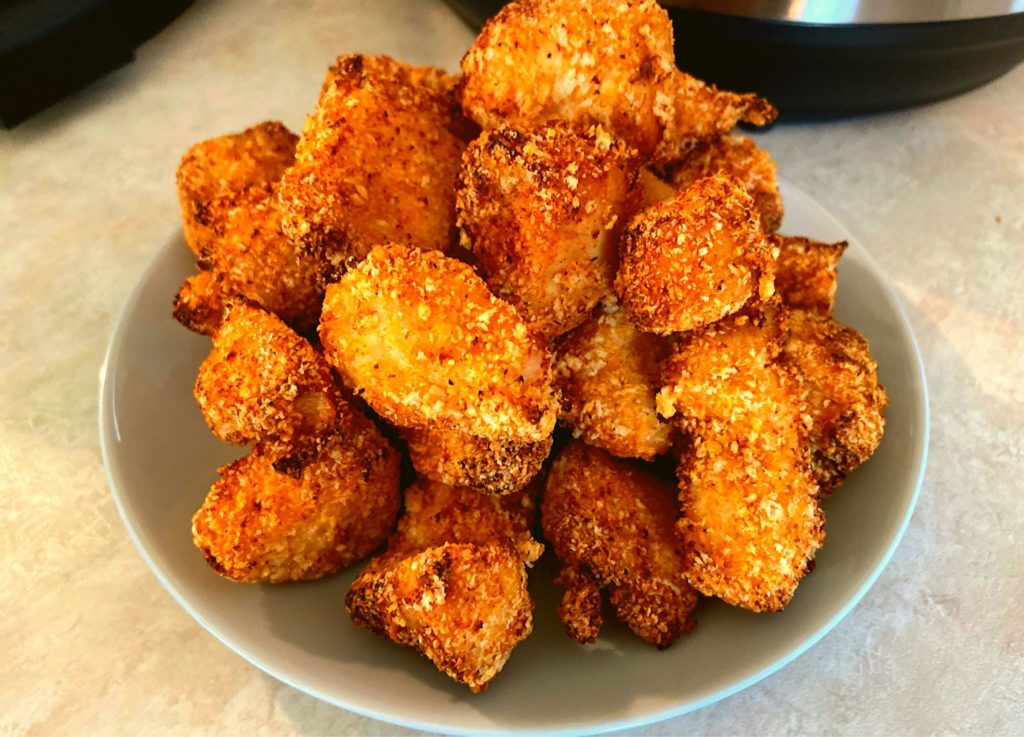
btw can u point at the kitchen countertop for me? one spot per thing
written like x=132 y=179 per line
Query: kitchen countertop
x=92 y=645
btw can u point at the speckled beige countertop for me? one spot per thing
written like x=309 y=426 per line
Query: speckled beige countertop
x=90 y=644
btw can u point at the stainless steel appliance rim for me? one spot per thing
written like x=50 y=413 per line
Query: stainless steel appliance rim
x=855 y=12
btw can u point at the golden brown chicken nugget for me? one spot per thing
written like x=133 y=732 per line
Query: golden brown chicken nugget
x=845 y=402
x=607 y=61
x=805 y=273
x=377 y=163
x=437 y=513
x=256 y=261
x=600 y=62
x=496 y=466
x=463 y=606
x=736 y=157
x=608 y=373
x=695 y=258
x=452 y=583
x=260 y=525
x=214 y=173
x=542 y=211
x=750 y=521
x=612 y=521
x=422 y=340
x=263 y=383
x=703 y=112
x=200 y=302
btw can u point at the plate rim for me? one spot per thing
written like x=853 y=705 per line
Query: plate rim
x=108 y=431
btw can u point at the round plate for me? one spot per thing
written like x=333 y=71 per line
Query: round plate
x=161 y=459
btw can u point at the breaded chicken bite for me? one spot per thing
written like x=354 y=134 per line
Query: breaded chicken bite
x=333 y=507
x=604 y=61
x=376 y=163
x=214 y=174
x=805 y=273
x=263 y=383
x=736 y=157
x=611 y=523
x=608 y=373
x=496 y=466
x=452 y=583
x=422 y=340
x=845 y=402
x=652 y=189
x=702 y=112
x=200 y=303
x=695 y=258
x=542 y=211
x=465 y=607
x=255 y=260
x=750 y=521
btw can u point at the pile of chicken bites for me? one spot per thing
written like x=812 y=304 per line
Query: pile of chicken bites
x=544 y=285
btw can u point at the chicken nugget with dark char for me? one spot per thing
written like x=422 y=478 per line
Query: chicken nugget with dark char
x=608 y=373
x=845 y=402
x=695 y=258
x=377 y=163
x=542 y=211
x=496 y=466
x=452 y=583
x=805 y=273
x=420 y=337
x=611 y=523
x=334 y=506
x=214 y=175
x=263 y=383
x=736 y=157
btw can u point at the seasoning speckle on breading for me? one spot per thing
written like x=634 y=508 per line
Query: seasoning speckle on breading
x=422 y=340
x=805 y=274
x=736 y=157
x=611 y=523
x=452 y=583
x=263 y=383
x=845 y=403
x=695 y=258
x=541 y=212
x=607 y=61
x=750 y=520
x=608 y=373
x=376 y=163
x=260 y=525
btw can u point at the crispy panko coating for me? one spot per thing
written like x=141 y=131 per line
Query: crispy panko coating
x=604 y=61
x=608 y=373
x=805 y=273
x=750 y=520
x=330 y=509
x=377 y=163
x=611 y=522
x=496 y=466
x=703 y=112
x=845 y=402
x=263 y=383
x=695 y=258
x=452 y=583
x=200 y=302
x=215 y=174
x=736 y=157
x=463 y=606
x=256 y=261
x=422 y=340
x=542 y=212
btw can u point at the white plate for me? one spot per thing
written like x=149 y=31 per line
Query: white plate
x=161 y=459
